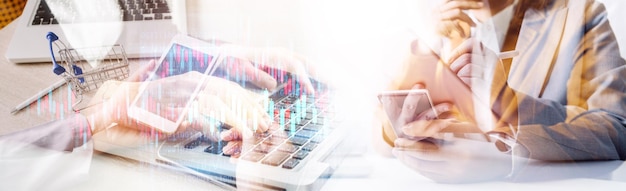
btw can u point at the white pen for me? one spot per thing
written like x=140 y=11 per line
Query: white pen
x=508 y=54
x=40 y=94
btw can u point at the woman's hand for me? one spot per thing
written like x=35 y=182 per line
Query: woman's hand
x=431 y=122
x=252 y=61
x=218 y=99
x=451 y=20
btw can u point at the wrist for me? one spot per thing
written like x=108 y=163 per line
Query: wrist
x=503 y=142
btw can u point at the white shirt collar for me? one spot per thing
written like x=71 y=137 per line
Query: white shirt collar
x=492 y=32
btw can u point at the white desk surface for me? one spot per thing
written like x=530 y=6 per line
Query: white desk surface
x=367 y=172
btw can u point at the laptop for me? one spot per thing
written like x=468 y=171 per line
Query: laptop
x=306 y=145
x=143 y=27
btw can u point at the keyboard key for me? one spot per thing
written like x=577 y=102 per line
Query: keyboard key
x=288 y=148
x=305 y=133
x=247 y=147
x=318 y=139
x=149 y=5
x=138 y=17
x=295 y=128
x=264 y=148
x=303 y=122
x=234 y=150
x=312 y=127
x=193 y=144
x=298 y=141
x=36 y=22
x=213 y=149
x=300 y=154
x=253 y=156
x=280 y=134
x=291 y=163
x=257 y=138
x=276 y=158
x=309 y=146
x=318 y=121
x=274 y=140
x=263 y=135
x=161 y=10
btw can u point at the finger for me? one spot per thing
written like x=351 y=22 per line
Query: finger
x=231 y=135
x=460 y=29
x=232 y=148
x=447 y=28
x=460 y=62
x=236 y=134
x=259 y=77
x=462 y=5
x=304 y=80
x=312 y=69
x=461 y=127
x=142 y=73
x=245 y=68
x=463 y=48
x=279 y=58
x=434 y=113
x=458 y=16
x=425 y=128
x=465 y=71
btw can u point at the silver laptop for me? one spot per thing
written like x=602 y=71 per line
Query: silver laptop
x=303 y=152
x=143 y=27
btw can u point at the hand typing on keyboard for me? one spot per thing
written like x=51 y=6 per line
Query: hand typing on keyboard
x=258 y=63
x=219 y=99
x=226 y=120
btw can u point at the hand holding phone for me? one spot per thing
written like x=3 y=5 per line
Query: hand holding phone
x=405 y=106
x=164 y=98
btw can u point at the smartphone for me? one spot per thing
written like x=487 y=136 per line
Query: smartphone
x=185 y=54
x=404 y=106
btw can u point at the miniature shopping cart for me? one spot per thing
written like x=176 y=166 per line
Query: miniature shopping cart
x=85 y=69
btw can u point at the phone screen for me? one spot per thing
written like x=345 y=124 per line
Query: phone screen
x=178 y=60
x=401 y=111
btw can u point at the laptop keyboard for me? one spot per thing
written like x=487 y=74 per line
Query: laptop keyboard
x=302 y=126
x=129 y=10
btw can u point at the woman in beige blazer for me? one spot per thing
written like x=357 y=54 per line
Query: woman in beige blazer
x=562 y=97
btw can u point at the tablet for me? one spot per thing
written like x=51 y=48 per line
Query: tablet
x=404 y=106
x=185 y=54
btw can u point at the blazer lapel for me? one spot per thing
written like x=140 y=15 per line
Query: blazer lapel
x=538 y=42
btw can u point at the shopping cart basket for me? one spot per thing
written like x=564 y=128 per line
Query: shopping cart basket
x=85 y=69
